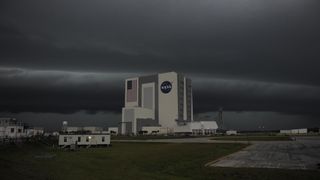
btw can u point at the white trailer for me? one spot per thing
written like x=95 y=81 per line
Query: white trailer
x=84 y=139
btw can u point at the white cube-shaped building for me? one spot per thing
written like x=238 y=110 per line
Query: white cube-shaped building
x=163 y=100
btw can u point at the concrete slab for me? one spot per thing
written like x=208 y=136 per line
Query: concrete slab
x=184 y=140
x=304 y=153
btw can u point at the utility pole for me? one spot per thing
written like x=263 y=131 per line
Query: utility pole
x=220 y=118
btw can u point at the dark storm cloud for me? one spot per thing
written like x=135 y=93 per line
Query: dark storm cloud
x=59 y=91
x=67 y=92
x=65 y=56
x=261 y=40
x=242 y=95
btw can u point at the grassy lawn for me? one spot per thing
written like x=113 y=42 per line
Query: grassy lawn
x=252 y=138
x=131 y=161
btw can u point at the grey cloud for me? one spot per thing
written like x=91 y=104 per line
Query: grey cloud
x=259 y=40
x=67 y=92
x=244 y=55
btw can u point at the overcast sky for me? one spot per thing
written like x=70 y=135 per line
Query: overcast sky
x=258 y=59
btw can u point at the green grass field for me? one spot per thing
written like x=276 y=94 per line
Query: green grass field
x=252 y=138
x=131 y=161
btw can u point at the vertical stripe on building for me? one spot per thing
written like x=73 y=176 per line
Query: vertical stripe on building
x=132 y=91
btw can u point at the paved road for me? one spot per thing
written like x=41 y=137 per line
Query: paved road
x=304 y=153
x=182 y=140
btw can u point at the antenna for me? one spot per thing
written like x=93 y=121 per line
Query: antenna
x=220 y=117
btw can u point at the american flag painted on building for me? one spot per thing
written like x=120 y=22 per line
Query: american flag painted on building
x=132 y=90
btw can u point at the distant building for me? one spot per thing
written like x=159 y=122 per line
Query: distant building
x=35 y=131
x=55 y=133
x=91 y=129
x=294 y=131
x=161 y=102
x=231 y=132
x=11 y=128
x=113 y=130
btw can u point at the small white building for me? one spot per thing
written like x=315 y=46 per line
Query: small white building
x=35 y=131
x=231 y=132
x=93 y=129
x=150 y=130
x=55 y=133
x=294 y=131
x=113 y=130
x=11 y=128
x=203 y=127
x=72 y=129
x=84 y=139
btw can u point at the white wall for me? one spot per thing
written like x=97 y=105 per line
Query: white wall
x=168 y=103
x=141 y=113
x=231 y=132
x=137 y=112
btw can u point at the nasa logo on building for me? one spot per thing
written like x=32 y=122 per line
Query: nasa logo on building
x=166 y=87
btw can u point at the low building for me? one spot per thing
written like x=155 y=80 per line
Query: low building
x=191 y=128
x=93 y=129
x=84 y=139
x=11 y=128
x=35 y=131
x=150 y=130
x=55 y=133
x=231 y=132
x=113 y=130
x=294 y=131
x=203 y=127
x=72 y=129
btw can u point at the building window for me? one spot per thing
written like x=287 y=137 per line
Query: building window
x=19 y=130
x=12 y=130
x=103 y=138
x=65 y=139
x=87 y=139
x=129 y=84
x=79 y=139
